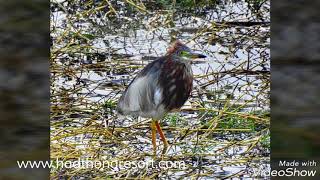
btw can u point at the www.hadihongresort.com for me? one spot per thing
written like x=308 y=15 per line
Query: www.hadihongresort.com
x=87 y=163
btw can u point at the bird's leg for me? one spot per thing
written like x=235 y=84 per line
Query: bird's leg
x=163 y=138
x=153 y=134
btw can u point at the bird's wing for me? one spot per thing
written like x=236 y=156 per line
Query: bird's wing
x=143 y=94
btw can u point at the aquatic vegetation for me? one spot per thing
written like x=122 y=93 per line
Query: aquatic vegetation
x=99 y=46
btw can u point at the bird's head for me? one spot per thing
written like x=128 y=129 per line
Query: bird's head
x=180 y=50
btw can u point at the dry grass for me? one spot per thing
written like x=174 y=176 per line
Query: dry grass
x=224 y=125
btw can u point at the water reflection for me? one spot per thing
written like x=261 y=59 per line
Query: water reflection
x=222 y=127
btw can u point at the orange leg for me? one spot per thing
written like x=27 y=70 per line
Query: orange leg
x=153 y=133
x=163 y=138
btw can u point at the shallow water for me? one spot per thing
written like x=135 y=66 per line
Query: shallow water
x=106 y=54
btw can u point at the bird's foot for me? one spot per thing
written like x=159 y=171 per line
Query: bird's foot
x=165 y=148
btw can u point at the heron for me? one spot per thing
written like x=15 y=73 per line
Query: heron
x=162 y=86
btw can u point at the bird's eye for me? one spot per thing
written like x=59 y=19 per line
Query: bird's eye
x=184 y=53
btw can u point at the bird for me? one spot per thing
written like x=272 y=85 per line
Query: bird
x=162 y=86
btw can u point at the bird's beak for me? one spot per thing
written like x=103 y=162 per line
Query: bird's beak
x=196 y=56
